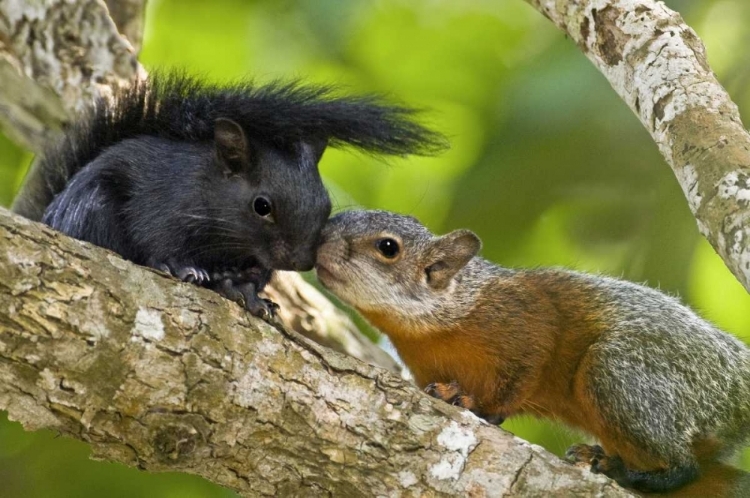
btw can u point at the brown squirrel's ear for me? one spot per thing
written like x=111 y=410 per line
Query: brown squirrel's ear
x=231 y=144
x=448 y=254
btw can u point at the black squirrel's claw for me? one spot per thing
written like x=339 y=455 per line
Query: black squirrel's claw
x=256 y=305
x=162 y=267
x=262 y=308
x=193 y=275
x=186 y=273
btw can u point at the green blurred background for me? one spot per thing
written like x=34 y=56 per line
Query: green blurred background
x=547 y=165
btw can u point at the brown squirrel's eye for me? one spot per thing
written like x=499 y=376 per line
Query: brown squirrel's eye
x=388 y=248
x=262 y=207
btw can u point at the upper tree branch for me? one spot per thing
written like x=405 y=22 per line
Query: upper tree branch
x=55 y=59
x=168 y=376
x=128 y=15
x=657 y=64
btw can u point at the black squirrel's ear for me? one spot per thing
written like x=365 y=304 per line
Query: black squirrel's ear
x=446 y=255
x=231 y=144
x=314 y=148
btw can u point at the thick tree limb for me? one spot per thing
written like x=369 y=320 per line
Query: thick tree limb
x=657 y=64
x=162 y=375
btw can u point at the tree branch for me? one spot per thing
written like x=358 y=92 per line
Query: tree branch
x=163 y=375
x=657 y=64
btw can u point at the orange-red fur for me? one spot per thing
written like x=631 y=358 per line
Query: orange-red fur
x=518 y=354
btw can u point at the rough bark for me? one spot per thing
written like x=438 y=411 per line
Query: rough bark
x=128 y=15
x=163 y=375
x=658 y=65
x=55 y=58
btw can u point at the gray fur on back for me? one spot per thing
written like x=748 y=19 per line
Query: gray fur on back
x=678 y=387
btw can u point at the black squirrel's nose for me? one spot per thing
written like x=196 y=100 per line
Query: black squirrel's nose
x=303 y=260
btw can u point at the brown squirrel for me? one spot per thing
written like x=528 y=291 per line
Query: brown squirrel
x=665 y=393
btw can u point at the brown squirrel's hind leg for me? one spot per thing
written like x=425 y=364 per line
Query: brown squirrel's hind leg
x=452 y=394
x=653 y=481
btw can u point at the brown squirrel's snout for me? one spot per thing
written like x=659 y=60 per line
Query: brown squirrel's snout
x=330 y=253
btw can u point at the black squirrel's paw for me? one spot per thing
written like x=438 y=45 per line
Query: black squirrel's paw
x=264 y=309
x=240 y=276
x=193 y=275
x=232 y=273
x=256 y=305
x=227 y=289
x=162 y=267
x=246 y=295
x=190 y=274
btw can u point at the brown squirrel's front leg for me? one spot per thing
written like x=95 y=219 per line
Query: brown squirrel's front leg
x=453 y=394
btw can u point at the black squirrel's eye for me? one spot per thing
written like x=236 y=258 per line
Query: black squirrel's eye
x=262 y=206
x=388 y=247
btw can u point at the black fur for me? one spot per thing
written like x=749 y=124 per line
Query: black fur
x=166 y=175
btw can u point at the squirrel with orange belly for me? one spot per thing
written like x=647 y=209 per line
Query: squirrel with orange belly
x=666 y=394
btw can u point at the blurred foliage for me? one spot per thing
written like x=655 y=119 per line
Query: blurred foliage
x=547 y=165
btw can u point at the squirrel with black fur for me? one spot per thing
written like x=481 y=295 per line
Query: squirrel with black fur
x=666 y=394
x=216 y=185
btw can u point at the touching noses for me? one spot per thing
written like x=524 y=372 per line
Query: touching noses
x=303 y=261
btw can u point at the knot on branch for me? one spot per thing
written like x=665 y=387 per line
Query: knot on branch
x=174 y=442
x=610 y=39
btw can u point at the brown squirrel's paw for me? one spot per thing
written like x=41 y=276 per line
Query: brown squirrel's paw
x=601 y=463
x=452 y=394
x=584 y=453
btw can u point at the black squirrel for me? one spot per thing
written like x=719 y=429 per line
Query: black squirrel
x=216 y=185
x=666 y=394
